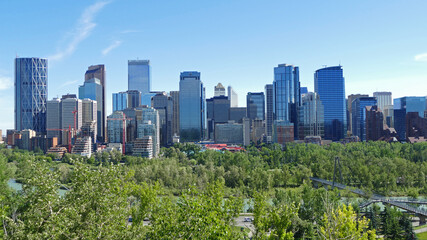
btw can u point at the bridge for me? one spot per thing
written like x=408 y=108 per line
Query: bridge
x=402 y=204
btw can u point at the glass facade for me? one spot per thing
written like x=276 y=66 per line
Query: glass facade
x=120 y=101
x=192 y=114
x=30 y=94
x=329 y=84
x=255 y=104
x=286 y=94
x=358 y=114
x=218 y=110
x=405 y=105
x=139 y=75
x=92 y=89
x=269 y=109
x=311 y=116
x=134 y=98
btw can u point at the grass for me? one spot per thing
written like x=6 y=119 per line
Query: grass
x=422 y=236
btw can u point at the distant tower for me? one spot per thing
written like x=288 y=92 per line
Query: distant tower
x=139 y=76
x=269 y=110
x=232 y=96
x=30 y=94
x=329 y=84
x=98 y=71
x=219 y=90
x=92 y=89
x=359 y=115
x=192 y=114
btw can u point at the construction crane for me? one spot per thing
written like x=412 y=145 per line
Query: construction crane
x=124 y=129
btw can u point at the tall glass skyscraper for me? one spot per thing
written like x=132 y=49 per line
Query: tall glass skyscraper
x=269 y=109
x=287 y=95
x=92 y=89
x=404 y=105
x=120 y=101
x=329 y=84
x=139 y=76
x=255 y=104
x=30 y=94
x=358 y=107
x=98 y=71
x=192 y=114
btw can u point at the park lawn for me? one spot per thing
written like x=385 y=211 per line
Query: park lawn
x=422 y=236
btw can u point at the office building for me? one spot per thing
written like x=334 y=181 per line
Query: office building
x=359 y=115
x=257 y=131
x=217 y=112
x=54 y=113
x=303 y=90
x=89 y=129
x=329 y=84
x=383 y=99
x=26 y=136
x=175 y=112
x=134 y=98
x=115 y=127
x=89 y=110
x=139 y=76
x=98 y=72
x=350 y=100
x=237 y=114
x=120 y=101
x=219 y=90
x=255 y=104
x=374 y=123
x=160 y=102
x=416 y=126
x=30 y=94
x=286 y=95
x=403 y=106
x=232 y=96
x=192 y=114
x=148 y=124
x=92 y=89
x=283 y=132
x=269 y=115
x=69 y=108
x=229 y=133
x=311 y=116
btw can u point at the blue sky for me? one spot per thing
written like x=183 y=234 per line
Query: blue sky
x=382 y=45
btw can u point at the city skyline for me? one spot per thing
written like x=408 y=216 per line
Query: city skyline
x=377 y=59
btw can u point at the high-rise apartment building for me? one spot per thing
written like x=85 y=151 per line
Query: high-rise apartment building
x=92 y=89
x=269 y=115
x=139 y=76
x=359 y=115
x=219 y=90
x=192 y=114
x=232 y=96
x=286 y=94
x=329 y=84
x=98 y=71
x=30 y=94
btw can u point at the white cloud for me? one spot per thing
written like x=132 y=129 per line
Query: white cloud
x=421 y=57
x=68 y=83
x=5 y=83
x=83 y=29
x=111 y=47
x=129 y=31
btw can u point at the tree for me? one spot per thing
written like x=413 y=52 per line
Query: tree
x=342 y=223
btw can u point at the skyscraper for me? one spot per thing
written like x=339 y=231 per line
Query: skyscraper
x=92 y=89
x=359 y=115
x=139 y=76
x=311 y=116
x=232 y=96
x=160 y=102
x=98 y=71
x=269 y=116
x=53 y=118
x=383 y=99
x=374 y=123
x=403 y=106
x=217 y=111
x=350 y=100
x=150 y=126
x=255 y=105
x=287 y=95
x=30 y=94
x=329 y=84
x=219 y=90
x=115 y=127
x=134 y=98
x=192 y=112
x=175 y=112
x=120 y=101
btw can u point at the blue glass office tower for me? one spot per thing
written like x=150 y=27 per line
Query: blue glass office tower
x=286 y=95
x=93 y=90
x=139 y=76
x=255 y=105
x=404 y=105
x=329 y=84
x=269 y=96
x=120 y=101
x=192 y=114
x=30 y=94
x=358 y=108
